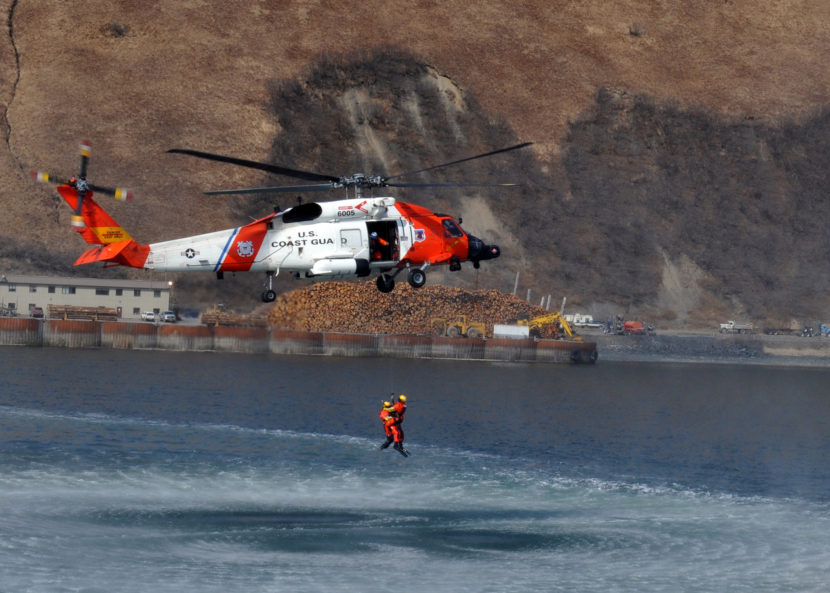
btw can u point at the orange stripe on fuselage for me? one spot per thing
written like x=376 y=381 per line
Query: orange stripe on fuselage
x=245 y=246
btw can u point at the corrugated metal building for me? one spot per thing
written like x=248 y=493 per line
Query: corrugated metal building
x=20 y=293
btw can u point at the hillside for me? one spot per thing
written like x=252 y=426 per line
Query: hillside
x=677 y=172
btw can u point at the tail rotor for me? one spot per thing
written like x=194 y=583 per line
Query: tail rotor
x=82 y=187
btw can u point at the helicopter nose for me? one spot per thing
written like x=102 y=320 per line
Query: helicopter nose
x=478 y=250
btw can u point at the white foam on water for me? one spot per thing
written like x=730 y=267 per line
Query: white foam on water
x=314 y=512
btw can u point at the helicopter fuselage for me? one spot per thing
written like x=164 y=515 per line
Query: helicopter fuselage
x=353 y=237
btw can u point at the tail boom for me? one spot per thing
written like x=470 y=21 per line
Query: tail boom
x=123 y=253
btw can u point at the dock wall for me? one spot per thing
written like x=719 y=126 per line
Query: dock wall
x=140 y=336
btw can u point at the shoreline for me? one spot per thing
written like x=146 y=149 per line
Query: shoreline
x=714 y=348
x=65 y=333
x=682 y=347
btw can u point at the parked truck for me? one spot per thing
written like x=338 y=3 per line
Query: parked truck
x=733 y=327
x=582 y=320
x=632 y=327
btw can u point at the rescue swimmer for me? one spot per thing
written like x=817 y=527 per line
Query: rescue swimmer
x=392 y=416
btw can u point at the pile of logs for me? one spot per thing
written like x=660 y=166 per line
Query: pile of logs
x=219 y=318
x=83 y=313
x=358 y=307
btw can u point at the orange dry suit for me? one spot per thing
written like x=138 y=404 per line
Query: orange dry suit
x=388 y=420
x=390 y=425
x=400 y=409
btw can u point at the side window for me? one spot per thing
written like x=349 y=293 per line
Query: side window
x=451 y=229
x=351 y=239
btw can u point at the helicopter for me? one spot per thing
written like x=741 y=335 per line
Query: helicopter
x=351 y=237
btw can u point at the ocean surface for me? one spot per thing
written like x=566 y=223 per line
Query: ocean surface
x=150 y=471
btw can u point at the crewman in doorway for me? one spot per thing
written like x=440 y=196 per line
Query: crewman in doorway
x=377 y=245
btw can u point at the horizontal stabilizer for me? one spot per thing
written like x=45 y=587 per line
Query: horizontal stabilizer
x=124 y=253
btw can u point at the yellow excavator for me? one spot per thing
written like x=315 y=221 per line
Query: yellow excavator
x=538 y=325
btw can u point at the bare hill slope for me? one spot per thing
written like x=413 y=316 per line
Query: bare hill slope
x=679 y=156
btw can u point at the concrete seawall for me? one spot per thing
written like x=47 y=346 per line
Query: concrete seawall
x=180 y=337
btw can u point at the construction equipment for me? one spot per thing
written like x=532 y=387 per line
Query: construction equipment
x=460 y=326
x=554 y=321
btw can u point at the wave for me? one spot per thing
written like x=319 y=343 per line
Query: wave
x=150 y=461
x=93 y=500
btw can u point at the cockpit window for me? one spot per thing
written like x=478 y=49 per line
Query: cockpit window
x=451 y=229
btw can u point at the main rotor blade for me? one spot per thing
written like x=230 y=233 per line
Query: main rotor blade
x=268 y=190
x=470 y=158
x=452 y=185
x=276 y=169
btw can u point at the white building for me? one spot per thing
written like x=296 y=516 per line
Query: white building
x=129 y=297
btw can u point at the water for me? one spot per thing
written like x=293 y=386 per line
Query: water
x=160 y=472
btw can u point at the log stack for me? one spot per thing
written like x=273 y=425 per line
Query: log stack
x=358 y=307
x=82 y=313
x=224 y=319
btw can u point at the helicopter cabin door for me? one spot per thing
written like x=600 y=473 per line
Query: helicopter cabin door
x=383 y=240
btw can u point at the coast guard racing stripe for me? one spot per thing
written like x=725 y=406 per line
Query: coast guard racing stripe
x=239 y=253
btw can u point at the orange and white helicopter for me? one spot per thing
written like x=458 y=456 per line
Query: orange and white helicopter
x=351 y=237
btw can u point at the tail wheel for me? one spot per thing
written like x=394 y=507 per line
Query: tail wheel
x=269 y=296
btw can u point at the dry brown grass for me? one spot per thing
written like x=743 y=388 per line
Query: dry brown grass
x=137 y=78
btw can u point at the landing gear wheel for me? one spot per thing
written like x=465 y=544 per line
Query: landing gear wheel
x=385 y=283
x=417 y=278
x=269 y=296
